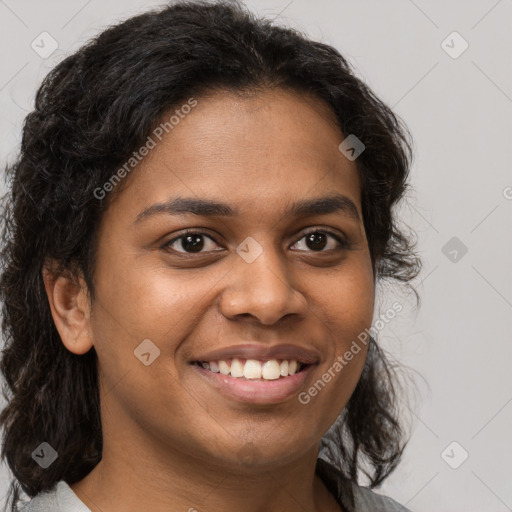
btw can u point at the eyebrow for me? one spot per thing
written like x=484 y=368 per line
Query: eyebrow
x=336 y=203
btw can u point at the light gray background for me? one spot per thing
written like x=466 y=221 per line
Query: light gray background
x=460 y=113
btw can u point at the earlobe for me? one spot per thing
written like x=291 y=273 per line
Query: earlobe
x=69 y=305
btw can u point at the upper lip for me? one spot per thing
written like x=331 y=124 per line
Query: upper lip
x=262 y=352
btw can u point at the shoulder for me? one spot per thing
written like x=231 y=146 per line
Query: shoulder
x=351 y=496
x=44 y=501
x=60 y=498
x=366 y=499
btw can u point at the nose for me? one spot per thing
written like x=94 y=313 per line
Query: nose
x=262 y=289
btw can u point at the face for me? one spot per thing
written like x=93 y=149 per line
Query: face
x=274 y=274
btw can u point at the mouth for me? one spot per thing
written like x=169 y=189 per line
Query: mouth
x=253 y=381
x=254 y=369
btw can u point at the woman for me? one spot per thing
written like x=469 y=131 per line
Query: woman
x=199 y=216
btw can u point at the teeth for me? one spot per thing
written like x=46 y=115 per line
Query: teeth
x=253 y=369
x=224 y=368
x=237 y=368
x=271 y=370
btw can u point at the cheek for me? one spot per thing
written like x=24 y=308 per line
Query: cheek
x=347 y=301
x=138 y=313
x=349 y=324
x=135 y=305
x=141 y=302
x=346 y=308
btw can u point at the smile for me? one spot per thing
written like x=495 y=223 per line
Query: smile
x=253 y=369
x=266 y=384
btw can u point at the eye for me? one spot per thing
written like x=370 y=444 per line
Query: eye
x=192 y=242
x=318 y=239
x=197 y=242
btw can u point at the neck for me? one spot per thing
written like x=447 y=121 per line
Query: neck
x=129 y=478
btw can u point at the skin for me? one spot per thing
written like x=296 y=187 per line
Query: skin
x=170 y=440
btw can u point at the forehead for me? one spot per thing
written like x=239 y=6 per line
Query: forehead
x=276 y=146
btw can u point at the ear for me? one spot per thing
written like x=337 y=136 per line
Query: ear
x=69 y=303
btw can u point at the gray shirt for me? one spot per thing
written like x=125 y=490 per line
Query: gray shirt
x=350 y=496
x=60 y=498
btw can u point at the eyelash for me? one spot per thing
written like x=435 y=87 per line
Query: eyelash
x=343 y=244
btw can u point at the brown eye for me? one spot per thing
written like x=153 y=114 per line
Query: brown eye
x=318 y=240
x=193 y=242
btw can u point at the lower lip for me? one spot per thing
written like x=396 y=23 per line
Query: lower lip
x=256 y=391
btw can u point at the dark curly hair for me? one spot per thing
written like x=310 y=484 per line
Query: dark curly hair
x=91 y=112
